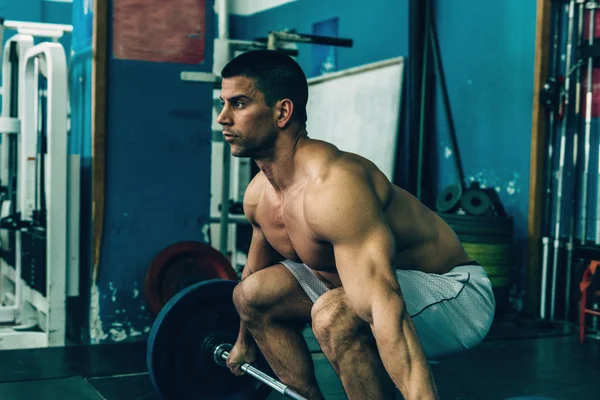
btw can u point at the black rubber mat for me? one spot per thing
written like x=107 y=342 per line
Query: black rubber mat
x=61 y=362
x=74 y=388
x=125 y=387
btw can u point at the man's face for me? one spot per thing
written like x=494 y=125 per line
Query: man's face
x=249 y=125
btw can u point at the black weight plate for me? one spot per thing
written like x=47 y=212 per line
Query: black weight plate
x=449 y=199
x=476 y=202
x=179 y=365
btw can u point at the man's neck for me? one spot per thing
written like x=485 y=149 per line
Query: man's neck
x=279 y=168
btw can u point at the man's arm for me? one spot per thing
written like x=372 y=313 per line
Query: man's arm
x=260 y=254
x=344 y=210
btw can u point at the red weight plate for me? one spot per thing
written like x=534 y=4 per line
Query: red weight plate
x=181 y=265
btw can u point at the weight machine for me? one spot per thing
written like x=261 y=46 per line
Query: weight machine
x=39 y=193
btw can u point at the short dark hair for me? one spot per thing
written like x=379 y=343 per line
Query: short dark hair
x=276 y=75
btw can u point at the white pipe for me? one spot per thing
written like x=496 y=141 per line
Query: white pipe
x=223 y=19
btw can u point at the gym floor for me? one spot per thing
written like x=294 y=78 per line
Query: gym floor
x=516 y=360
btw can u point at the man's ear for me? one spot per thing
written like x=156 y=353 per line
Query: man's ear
x=285 y=110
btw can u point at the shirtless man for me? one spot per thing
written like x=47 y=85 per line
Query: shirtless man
x=384 y=282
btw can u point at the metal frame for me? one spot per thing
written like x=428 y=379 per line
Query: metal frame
x=37 y=29
x=10 y=126
x=62 y=194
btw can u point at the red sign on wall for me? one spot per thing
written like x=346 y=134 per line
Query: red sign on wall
x=159 y=30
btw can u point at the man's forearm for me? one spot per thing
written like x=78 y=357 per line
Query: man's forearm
x=401 y=351
x=244 y=335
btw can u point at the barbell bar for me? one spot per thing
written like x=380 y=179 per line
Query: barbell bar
x=221 y=353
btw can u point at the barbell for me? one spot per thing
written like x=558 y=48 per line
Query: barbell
x=189 y=344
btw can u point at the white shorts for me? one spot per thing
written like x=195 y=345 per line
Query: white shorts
x=452 y=312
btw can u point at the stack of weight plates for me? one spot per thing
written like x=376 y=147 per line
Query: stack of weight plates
x=489 y=241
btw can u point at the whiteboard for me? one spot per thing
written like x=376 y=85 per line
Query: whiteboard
x=358 y=110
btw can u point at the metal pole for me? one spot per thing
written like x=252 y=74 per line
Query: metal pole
x=588 y=125
x=226 y=166
x=223 y=19
x=561 y=161
x=549 y=168
x=424 y=70
x=224 y=226
x=598 y=209
x=574 y=184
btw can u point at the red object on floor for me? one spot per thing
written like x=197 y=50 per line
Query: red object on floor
x=584 y=285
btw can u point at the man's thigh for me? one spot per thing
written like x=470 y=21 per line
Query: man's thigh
x=276 y=291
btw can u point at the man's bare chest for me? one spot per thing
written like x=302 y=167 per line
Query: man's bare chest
x=284 y=225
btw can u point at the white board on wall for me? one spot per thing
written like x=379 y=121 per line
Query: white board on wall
x=358 y=110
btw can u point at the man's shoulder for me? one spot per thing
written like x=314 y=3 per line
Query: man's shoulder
x=337 y=168
x=253 y=194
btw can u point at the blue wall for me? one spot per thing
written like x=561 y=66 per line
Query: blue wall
x=158 y=152
x=157 y=175
x=488 y=54
x=37 y=11
x=378 y=34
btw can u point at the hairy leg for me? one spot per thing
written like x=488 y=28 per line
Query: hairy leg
x=347 y=342
x=274 y=309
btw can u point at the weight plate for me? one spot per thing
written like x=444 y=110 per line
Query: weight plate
x=449 y=198
x=181 y=265
x=180 y=360
x=476 y=202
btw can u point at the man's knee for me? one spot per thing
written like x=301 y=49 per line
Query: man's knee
x=242 y=298
x=263 y=290
x=335 y=324
x=247 y=296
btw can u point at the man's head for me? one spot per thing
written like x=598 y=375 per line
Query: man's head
x=263 y=92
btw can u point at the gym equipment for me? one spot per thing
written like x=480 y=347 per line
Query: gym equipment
x=190 y=341
x=449 y=200
x=570 y=244
x=39 y=218
x=38 y=29
x=588 y=124
x=180 y=265
x=275 y=37
x=551 y=98
x=560 y=172
x=476 y=202
x=489 y=241
x=589 y=289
